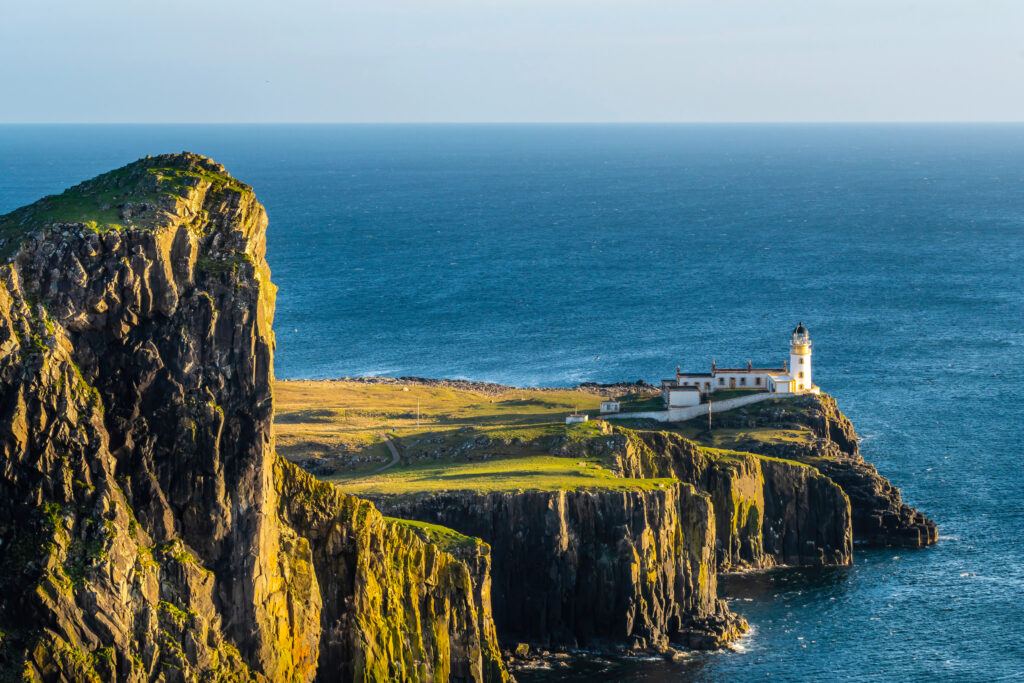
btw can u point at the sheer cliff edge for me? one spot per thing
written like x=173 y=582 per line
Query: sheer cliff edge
x=148 y=530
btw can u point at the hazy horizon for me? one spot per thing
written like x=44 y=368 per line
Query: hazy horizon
x=490 y=61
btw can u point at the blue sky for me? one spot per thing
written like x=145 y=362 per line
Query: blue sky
x=511 y=60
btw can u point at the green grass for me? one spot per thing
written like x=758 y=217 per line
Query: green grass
x=177 y=178
x=737 y=439
x=526 y=473
x=228 y=265
x=341 y=420
x=696 y=430
x=447 y=539
x=132 y=197
x=640 y=403
x=504 y=440
x=737 y=456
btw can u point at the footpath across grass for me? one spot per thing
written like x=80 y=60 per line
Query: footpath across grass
x=491 y=439
x=528 y=472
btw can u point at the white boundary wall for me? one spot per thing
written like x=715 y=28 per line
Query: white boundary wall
x=690 y=412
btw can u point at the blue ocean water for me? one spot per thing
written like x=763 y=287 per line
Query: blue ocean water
x=550 y=255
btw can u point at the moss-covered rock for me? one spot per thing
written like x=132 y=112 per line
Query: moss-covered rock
x=769 y=511
x=400 y=601
x=143 y=535
x=879 y=515
x=593 y=568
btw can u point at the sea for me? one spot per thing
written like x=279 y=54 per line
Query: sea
x=549 y=255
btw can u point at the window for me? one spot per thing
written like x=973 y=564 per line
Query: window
x=743 y=381
x=801 y=374
x=801 y=386
x=757 y=380
x=801 y=360
x=721 y=380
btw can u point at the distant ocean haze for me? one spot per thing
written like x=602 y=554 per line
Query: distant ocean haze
x=551 y=255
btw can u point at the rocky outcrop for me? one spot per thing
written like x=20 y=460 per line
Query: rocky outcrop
x=594 y=568
x=147 y=530
x=880 y=517
x=768 y=512
x=393 y=606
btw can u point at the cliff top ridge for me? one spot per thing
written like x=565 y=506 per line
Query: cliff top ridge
x=146 y=194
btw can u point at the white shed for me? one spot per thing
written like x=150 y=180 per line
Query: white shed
x=574 y=418
x=679 y=397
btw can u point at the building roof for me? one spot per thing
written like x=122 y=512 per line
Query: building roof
x=800 y=329
x=750 y=370
x=782 y=378
x=684 y=389
x=695 y=374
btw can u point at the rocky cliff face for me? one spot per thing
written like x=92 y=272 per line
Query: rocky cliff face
x=768 y=512
x=144 y=529
x=880 y=517
x=594 y=568
x=393 y=606
x=599 y=568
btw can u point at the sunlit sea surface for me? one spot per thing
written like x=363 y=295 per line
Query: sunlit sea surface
x=551 y=255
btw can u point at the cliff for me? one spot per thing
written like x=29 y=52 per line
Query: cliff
x=879 y=515
x=147 y=528
x=594 y=568
x=769 y=511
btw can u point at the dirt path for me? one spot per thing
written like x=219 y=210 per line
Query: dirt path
x=394 y=454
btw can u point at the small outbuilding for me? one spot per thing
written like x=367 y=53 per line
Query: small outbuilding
x=610 y=405
x=679 y=397
x=574 y=418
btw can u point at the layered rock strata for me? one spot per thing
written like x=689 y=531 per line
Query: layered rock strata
x=594 y=568
x=768 y=512
x=147 y=529
x=880 y=517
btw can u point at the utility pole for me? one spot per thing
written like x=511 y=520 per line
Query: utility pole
x=417 y=413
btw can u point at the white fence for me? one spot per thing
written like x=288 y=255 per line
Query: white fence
x=690 y=412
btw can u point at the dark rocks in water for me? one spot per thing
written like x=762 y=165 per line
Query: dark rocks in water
x=147 y=528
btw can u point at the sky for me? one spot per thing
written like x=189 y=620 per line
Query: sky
x=116 y=61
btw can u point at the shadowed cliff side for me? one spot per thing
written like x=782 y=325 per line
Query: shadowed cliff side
x=880 y=517
x=394 y=606
x=141 y=532
x=769 y=512
x=594 y=568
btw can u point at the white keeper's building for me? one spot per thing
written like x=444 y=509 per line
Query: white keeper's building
x=687 y=389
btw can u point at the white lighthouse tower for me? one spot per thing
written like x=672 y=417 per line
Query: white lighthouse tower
x=800 y=360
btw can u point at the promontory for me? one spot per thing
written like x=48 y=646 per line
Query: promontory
x=169 y=511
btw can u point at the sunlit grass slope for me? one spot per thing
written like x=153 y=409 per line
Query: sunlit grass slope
x=449 y=438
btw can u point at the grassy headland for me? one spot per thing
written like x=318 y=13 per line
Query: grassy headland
x=464 y=436
x=448 y=438
x=737 y=429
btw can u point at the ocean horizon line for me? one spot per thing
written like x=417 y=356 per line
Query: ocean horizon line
x=512 y=123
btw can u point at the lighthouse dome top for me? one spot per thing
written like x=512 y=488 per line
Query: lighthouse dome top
x=800 y=329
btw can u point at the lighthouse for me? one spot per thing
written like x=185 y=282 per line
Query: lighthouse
x=800 y=359
x=692 y=388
